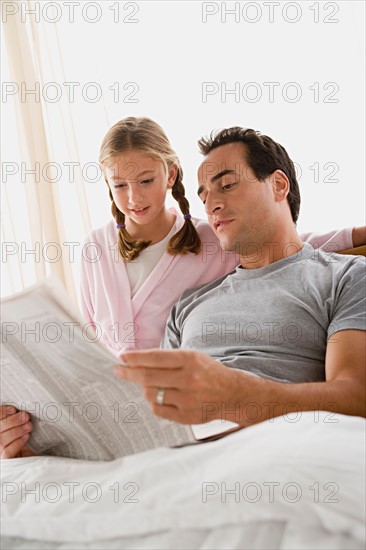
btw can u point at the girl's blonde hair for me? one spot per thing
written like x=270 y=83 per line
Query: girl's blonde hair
x=145 y=135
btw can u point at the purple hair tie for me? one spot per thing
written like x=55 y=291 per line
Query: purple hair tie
x=187 y=216
x=120 y=225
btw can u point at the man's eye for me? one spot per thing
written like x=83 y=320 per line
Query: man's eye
x=119 y=185
x=228 y=186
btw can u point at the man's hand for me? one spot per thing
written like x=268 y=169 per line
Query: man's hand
x=196 y=387
x=15 y=429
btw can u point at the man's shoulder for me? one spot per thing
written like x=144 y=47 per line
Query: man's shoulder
x=334 y=279
x=191 y=294
x=339 y=264
x=351 y=272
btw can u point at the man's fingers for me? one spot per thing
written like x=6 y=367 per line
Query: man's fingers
x=173 y=358
x=171 y=396
x=167 y=411
x=10 y=436
x=13 y=421
x=164 y=378
x=13 y=449
x=6 y=410
x=15 y=430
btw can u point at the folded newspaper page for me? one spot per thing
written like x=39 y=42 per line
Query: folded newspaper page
x=54 y=367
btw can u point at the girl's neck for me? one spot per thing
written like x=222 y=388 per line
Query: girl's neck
x=154 y=231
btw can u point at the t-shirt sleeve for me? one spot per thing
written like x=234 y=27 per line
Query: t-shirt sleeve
x=171 y=338
x=333 y=241
x=349 y=311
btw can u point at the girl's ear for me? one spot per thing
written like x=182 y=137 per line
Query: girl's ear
x=172 y=175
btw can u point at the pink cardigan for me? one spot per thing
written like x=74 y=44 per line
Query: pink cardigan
x=123 y=323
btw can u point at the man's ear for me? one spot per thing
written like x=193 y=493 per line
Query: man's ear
x=281 y=185
x=172 y=175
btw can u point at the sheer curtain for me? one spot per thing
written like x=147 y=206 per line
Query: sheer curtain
x=45 y=211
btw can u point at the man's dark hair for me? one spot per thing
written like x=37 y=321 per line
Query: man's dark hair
x=264 y=156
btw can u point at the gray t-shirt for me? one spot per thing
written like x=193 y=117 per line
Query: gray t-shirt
x=274 y=321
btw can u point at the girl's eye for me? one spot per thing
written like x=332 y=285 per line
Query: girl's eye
x=147 y=181
x=120 y=186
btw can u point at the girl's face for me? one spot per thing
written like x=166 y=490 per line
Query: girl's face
x=139 y=184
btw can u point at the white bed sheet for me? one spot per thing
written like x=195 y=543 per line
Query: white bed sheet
x=252 y=536
x=170 y=512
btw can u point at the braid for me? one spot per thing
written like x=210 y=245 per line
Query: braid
x=187 y=238
x=179 y=194
x=128 y=248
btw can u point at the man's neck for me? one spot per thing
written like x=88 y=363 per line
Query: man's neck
x=277 y=247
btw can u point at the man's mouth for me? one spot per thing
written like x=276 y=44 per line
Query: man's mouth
x=221 y=222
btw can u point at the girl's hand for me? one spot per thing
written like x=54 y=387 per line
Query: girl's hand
x=15 y=430
x=359 y=236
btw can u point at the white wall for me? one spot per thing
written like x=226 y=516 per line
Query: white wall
x=176 y=47
x=173 y=62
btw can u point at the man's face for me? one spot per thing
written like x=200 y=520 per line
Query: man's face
x=240 y=208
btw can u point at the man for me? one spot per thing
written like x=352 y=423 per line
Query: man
x=290 y=320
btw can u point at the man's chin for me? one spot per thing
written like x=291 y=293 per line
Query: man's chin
x=227 y=245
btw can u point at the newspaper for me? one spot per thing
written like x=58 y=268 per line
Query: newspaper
x=54 y=367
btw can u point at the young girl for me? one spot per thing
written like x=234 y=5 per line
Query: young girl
x=149 y=254
x=146 y=256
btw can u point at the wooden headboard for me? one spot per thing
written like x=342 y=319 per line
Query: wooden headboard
x=359 y=251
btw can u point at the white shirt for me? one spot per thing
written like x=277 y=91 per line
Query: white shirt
x=139 y=269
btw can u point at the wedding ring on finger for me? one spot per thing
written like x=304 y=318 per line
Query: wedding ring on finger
x=159 y=400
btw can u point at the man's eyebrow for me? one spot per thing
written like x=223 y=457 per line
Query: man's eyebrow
x=117 y=177
x=222 y=174
x=215 y=178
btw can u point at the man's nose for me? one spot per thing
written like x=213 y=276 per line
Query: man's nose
x=213 y=204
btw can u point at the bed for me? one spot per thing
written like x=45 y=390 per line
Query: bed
x=294 y=482
x=297 y=481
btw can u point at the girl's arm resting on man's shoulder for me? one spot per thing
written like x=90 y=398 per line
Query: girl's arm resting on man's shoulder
x=337 y=239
